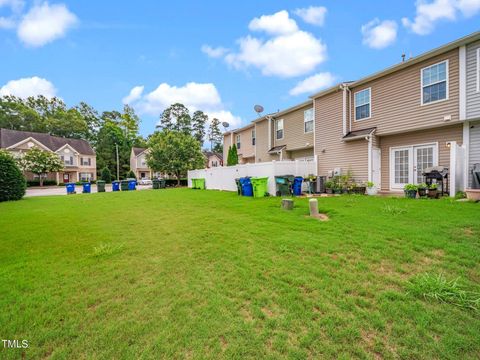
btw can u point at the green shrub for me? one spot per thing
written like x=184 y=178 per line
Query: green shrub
x=131 y=175
x=106 y=175
x=37 y=183
x=410 y=187
x=173 y=182
x=12 y=181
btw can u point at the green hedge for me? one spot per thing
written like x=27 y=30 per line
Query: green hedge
x=173 y=182
x=12 y=181
x=37 y=183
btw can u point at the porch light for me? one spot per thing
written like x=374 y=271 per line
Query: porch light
x=448 y=144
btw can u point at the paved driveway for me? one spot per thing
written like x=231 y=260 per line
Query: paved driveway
x=60 y=190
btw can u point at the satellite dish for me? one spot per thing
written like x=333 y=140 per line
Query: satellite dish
x=225 y=124
x=258 y=109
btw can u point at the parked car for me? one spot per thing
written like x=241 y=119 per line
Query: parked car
x=144 y=181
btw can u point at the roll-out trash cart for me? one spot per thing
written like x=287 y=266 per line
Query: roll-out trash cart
x=156 y=184
x=239 y=187
x=283 y=185
x=163 y=183
x=115 y=185
x=260 y=186
x=201 y=184
x=86 y=188
x=297 y=186
x=247 y=189
x=70 y=188
x=124 y=185
x=132 y=184
x=100 y=186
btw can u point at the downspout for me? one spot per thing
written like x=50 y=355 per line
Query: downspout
x=349 y=109
x=269 y=118
x=370 y=157
x=344 y=109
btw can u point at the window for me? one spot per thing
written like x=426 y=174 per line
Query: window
x=478 y=70
x=362 y=104
x=67 y=160
x=85 y=161
x=279 y=129
x=86 y=176
x=435 y=83
x=214 y=163
x=238 y=141
x=253 y=137
x=308 y=120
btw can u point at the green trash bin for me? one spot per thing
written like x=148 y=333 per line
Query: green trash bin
x=100 y=186
x=124 y=185
x=194 y=183
x=156 y=183
x=201 y=184
x=260 y=186
x=162 y=183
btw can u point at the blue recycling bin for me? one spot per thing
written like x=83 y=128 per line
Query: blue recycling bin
x=70 y=188
x=132 y=184
x=86 y=188
x=115 y=185
x=297 y=186
x=247 y=188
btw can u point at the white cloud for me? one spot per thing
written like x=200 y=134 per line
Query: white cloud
x=379 y=34
x=26 y=87
x=214 y=52
x=287 y=52
x=15 y=5
x=313 y=83
x=195 y=96
x=428 y=13
x=135 y=94
x=276 y=24
x=45 y=23
x=7 y=23
x=314 y=15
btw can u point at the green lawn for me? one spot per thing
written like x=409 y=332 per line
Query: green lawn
x=204 y=274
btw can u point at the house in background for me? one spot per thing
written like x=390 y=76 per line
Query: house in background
x=138 y=163
x=213 y=159
x=244 y=139
x=77 y=155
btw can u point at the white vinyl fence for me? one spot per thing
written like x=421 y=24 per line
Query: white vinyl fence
x=223 y=178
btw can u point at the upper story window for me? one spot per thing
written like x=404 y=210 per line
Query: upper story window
x=362 y=104
x=435 y=83
x=253 y=137
x=308 y=120
x=86 y=161
x=238 y=141
x=279 y=129
x=478 y=70
x=67 y=160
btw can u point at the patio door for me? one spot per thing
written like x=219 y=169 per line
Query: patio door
x=66 y=178
x=408 y=163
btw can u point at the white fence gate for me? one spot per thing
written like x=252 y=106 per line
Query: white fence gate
x=223 y=178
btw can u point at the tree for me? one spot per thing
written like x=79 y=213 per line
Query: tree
x=12 y=181
x=131 y=175
x=232 y=158
x=176 y=117
x=106 y=175
x=129 y=123
x=174 y=152
x=215 y=135
x=199 y=120
x=108 y=137
x=40 y=162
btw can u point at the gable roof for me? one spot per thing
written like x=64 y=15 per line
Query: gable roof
x=137 y=151
x=11 y=137
x=213 y=153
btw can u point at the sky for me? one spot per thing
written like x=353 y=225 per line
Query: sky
x=221 y=57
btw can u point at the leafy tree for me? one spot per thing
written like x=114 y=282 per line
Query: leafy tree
x=199 y=120
x=40 y=162
x=106 y=175
x=215 y=135
x=232 y=156
x=176 y=117
x=174 y=152
x=92 y=119
x=131 y=175
x=129 y=123
x=12 y=181
x=108 y=137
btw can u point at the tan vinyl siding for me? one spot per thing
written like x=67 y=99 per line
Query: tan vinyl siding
x=351 y=155
x=246 y=147
x=294 y=135
x=292 y=155
x=473 y=96
x=262 y=143
x=435 y=135
x=396 y=99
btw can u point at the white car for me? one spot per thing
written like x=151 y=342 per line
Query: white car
x=144 y=181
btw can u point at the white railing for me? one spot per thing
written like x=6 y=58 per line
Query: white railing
x=223 y=178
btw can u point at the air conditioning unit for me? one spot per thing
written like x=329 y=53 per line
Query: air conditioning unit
x=337 y=172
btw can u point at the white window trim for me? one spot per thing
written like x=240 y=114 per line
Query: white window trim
x=447 y=80
x=355 y=104
x=478 y=70
x=276 y=129
x=254 y=137
x=304 y=122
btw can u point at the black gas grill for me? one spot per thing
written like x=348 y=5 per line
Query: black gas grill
x=439 y=174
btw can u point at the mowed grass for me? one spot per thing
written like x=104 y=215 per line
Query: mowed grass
x=203 y=274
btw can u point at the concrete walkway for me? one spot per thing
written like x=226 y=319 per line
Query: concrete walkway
x=61 y=190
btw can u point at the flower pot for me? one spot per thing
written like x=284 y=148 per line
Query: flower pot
x=473 y=194
x=432 y=193
x=411 y=194
x=372 y=191
x=422 y=192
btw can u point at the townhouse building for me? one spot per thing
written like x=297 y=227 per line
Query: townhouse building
x=138 y=163
x=77 y=155
x=387 y=127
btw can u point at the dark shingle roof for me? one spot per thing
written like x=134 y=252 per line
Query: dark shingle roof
x=213 y=153
x=11 y=137
x=137 y=151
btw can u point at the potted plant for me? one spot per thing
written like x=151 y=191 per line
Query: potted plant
x=422 y=189
x=371 y=189
x=329 y=187
x=360 y=189
x=410 y=191
x=433 y=191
